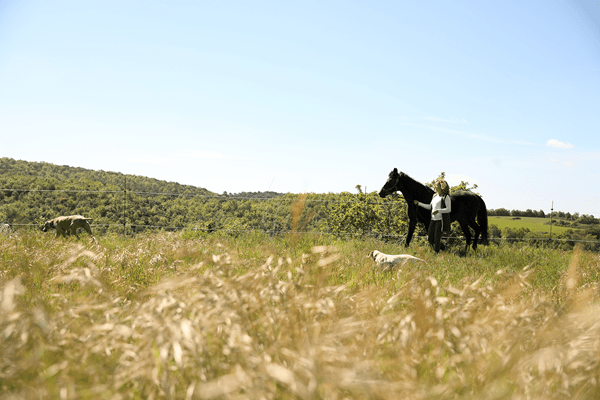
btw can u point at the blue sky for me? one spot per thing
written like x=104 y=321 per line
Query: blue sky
x=311 y=96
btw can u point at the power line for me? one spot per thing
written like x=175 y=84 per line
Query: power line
x=282 y=198
x=377 y=234
x=61 y=190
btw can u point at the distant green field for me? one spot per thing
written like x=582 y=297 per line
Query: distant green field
x=534 y=224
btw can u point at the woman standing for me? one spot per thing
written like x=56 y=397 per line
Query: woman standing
x=440 y=205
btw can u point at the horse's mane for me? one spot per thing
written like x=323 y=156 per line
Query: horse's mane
x=415 y=189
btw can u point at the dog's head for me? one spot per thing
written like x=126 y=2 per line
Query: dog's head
x=373 y=254
x=47 y=225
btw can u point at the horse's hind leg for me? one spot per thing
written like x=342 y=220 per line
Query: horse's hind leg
x=467 y=232
x=477 y=229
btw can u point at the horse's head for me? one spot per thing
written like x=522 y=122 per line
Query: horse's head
x=392 y=185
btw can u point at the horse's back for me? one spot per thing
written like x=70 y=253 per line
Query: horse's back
x=464 y=196
x=464 y=204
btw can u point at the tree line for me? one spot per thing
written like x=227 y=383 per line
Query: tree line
x=584 y=219
x=32 y=192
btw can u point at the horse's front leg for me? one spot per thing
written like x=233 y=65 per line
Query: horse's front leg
x=411 y=229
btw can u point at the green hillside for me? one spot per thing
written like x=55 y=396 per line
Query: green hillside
x=18 y=174
x=32 y=192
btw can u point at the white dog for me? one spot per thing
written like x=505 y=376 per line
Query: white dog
x=387 y=261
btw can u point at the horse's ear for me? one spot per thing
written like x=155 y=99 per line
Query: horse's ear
x=395 y=170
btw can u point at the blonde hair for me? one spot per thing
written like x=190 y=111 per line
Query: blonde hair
x=441 y=183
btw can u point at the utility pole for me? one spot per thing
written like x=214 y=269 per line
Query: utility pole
x=125 y=205
x=551 y=212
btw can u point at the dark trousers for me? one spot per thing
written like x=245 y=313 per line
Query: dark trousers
x=434 y=235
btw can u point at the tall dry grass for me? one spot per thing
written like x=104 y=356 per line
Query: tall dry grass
x=158 y=316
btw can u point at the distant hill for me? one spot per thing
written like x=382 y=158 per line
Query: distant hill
x=16 y=174
x=31 y=192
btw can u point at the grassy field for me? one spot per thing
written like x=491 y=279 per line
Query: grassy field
x=532 y=223
x=298 y=317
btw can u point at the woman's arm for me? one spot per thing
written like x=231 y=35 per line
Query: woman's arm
x=426 y=206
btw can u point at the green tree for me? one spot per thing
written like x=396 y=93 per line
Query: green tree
x=464 y=186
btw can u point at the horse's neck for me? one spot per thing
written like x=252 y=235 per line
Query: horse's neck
x=416 y=190
x=425 y=195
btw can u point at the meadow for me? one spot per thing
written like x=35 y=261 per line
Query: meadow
x=196 y=316
x=534 y=224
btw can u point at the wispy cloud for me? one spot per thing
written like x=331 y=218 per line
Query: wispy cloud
x=187 y=156
x=452 y=120
x=557 y=144
x=576 y=159
x=457 y=178
x=205 y=155
x=564 y=163
x=192 y=154
x=471 y=135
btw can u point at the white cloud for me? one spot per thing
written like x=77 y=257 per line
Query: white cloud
x=558 y=144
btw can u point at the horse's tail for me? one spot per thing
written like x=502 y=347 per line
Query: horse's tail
x=483 y=220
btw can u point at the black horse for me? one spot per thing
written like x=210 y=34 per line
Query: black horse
x=466 y=207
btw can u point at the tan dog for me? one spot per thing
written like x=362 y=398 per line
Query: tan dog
x=68 y=225
x=387 y=260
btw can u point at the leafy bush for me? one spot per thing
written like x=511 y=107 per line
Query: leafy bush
x=367 y=214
